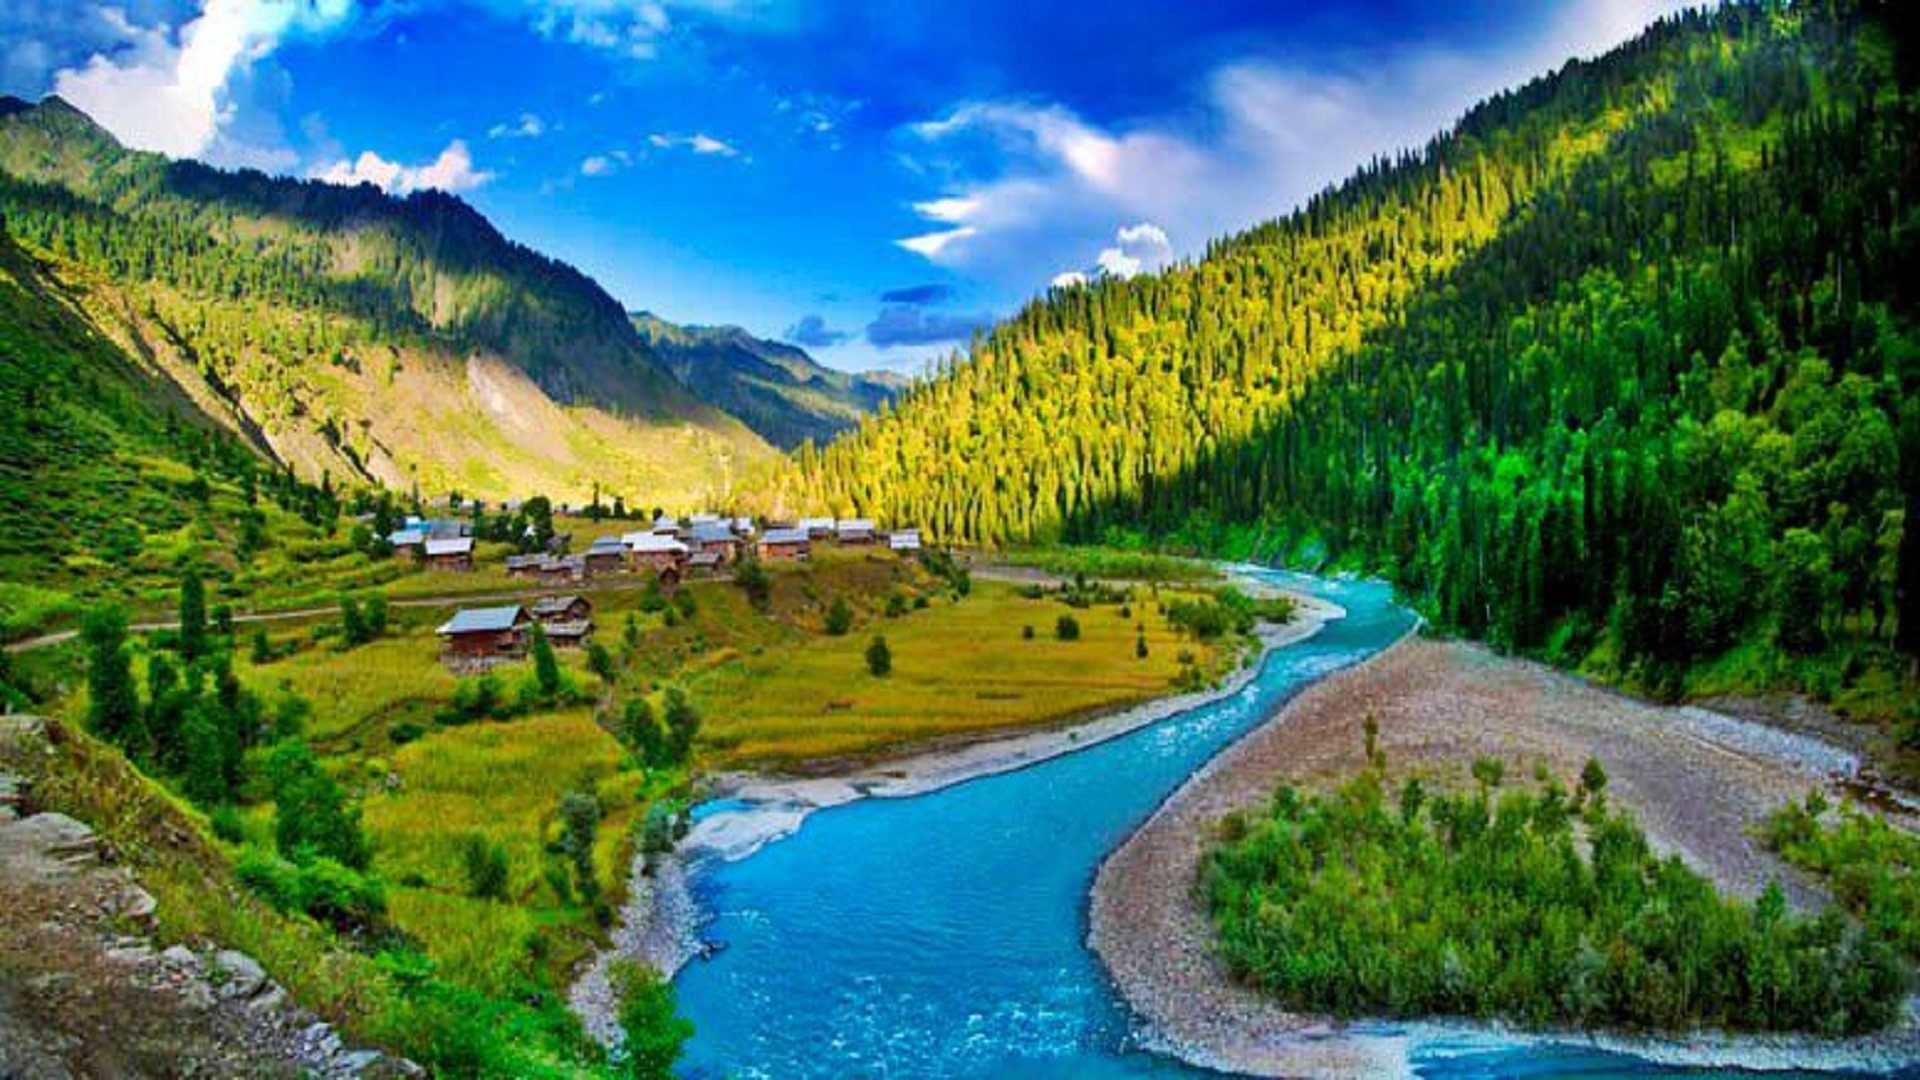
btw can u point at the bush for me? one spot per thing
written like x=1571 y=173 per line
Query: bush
x=226 y=824
x=1067 y=628
x=649 y=1018
x=485 y=863
x=404 y=732
x=839 y=617
x=321 y=889
x=879 y=657
x=896 y=606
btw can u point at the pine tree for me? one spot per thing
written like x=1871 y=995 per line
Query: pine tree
x=113 y=702
x=193 y=616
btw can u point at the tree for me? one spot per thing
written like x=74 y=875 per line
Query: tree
x=579 y=826
x=546 y=666
x=839 y=617
x=113 y=702
x=879 y=657
x=752 y=578
x=641 y=732
x=193 y=616
x=311 y=815
x=1140 y=647
x=600 y=662
x=683 y=723
x=1067 y=628
x=206 y=740
x=655 y=1033
x=353 y=624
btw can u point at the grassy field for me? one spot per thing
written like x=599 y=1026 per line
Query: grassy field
x=960 y=668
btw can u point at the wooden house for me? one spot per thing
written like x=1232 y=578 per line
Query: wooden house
x=784 y=545
x=904 y=541
x=713 y=538
x=817 y=528
x=607 y=555
x=556 y=570
x=705 y=563
x=549 y=610
x=524 y=566
x=854 y=531
x=661 y=554
x=455 y=553
x=569 y=635
x=485 y=633
x=408 y=542
x=666 y=526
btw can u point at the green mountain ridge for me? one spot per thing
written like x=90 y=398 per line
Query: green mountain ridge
x=776 y=389
x=354 y=334
x=1621 y=370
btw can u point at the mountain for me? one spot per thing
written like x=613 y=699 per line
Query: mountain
x=1621 y=370
x=775 y=388
x=356 y=335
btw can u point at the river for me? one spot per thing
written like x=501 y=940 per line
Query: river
x=944 y=935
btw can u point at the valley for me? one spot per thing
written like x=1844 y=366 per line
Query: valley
x=1455 y=620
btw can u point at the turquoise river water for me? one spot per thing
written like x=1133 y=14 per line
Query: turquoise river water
x=944 y=935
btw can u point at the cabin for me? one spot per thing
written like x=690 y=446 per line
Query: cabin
x=661 y=554
x=817 y=528
x=713 y=538
x=705 y=563
x=784 y=545
x=408 y=542
x=568 y=635
x=562 y=569
x=561 y=609
x=703 y=519
x=485 y=635
x=854 y=531
x=524 y=566
x=450 y=554
x=743 y=526
x=904 y=541
x=665 y=526
x=606 y=555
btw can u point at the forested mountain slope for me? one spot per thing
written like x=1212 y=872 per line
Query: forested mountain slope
x=1623 y=367
x=351 y=333
x=775 y=389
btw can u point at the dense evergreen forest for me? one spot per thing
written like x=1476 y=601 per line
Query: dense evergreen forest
x=1622 y=366
x=335 y=326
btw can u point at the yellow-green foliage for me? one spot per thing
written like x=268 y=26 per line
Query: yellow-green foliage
x=501 y=781
x=959 y=668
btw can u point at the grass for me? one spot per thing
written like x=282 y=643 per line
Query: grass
x=959 y=669
x=1113 y=564
x=501 y=781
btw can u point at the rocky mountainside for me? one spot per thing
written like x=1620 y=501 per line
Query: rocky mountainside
x=350 y=333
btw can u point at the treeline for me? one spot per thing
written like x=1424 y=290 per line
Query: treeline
x=1627 y=356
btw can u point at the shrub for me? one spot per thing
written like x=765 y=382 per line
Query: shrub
x=839 y=617
x=1026 y=633
x=649 y=1018
x=485 y=863
x=879 y=657
x=1067 y=628
x=404 y=732
x=896 y=606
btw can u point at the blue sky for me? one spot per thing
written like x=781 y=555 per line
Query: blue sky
x=870 y=180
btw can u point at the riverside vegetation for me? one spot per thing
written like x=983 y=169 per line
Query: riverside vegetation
x=1621 y=371
x=1544 y=907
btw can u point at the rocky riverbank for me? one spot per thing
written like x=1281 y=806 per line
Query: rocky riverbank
x=659 y=924
x=1697 y=781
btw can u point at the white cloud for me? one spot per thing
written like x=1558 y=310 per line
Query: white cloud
x=699 y=143
x=1260 y=137
x=167 y=92
x=1068 y=279
x=452 y=171
x=529 y=126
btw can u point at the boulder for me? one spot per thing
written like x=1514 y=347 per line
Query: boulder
x=242 y=974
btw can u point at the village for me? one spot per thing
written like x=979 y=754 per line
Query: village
x=671 y=551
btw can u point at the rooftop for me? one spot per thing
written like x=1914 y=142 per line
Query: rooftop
x=486 y=620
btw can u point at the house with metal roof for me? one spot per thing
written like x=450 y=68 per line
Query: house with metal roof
x=904 y=540
x=854 y=531
x=485 y=634
x=453 y=553
x=784 y=545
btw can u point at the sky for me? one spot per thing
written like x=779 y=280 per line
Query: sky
x=871 y=181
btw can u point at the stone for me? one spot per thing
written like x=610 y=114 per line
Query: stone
x=137 y=904
x=182 y=958
x=243 y=975
x=268 y=999
x=357 y=1062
